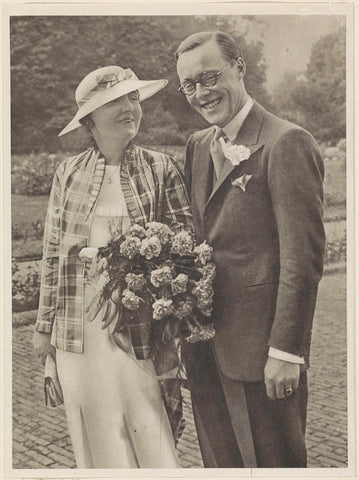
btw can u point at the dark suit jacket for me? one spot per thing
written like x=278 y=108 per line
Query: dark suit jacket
x=268 y=240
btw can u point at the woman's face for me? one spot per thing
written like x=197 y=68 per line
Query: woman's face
x=118 y=120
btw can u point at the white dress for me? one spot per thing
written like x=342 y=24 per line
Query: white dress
x=114 y=409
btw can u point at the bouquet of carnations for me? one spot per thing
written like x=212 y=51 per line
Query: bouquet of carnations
x=160 y=283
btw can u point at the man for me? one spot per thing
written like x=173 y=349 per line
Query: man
x=256 y=188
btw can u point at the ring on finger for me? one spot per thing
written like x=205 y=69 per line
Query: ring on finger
x=288 y=392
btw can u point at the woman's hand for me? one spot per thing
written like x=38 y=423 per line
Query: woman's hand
x=42 y=345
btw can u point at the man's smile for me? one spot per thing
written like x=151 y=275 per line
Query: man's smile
x=208 y=106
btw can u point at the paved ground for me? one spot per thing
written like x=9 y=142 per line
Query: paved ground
x=40 y=435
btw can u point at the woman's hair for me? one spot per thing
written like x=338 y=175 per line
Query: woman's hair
x=225 y=42
x=88 y=123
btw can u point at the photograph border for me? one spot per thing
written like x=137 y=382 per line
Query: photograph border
x=349 y=9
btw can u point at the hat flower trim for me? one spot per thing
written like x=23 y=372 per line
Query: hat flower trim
x=111 y=79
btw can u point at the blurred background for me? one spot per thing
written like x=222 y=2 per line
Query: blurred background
x=296 y=68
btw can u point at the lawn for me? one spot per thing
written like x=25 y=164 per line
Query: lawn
x=25 y=212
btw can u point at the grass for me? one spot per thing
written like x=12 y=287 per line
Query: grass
x=25 y=210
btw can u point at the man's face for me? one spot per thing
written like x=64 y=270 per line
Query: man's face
x=220 y=103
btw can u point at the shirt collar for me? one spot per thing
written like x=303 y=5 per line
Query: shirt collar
x=232 y=128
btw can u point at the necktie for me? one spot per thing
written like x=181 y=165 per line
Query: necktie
x=217 y=152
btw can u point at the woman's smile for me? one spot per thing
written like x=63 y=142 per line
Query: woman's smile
x=127 y=119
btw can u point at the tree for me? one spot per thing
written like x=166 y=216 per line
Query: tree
x=318 y=101
x=51 y=54
x=285 y=102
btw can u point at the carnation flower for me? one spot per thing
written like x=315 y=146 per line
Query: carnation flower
x=160 y=230
x=130 y=247
x=208 y=271
x=184 y=309
x=130 y=300
x=162 y=308
x=182 y=243
x=203 y=291
x=179 y=284
x=150 y=247
x=137 y=231
x=235 y=153
x=161 y=276
x=135 y=282
x=205 y=307
x=204 y=252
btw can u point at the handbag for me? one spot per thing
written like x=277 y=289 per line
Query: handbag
x=52 y=387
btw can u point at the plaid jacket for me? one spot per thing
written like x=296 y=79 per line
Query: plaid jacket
x=153 y=190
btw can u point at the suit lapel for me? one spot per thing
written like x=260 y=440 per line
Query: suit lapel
x=203 y=170
x=249 y=136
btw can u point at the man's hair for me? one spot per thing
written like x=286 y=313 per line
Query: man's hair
x=227 y=45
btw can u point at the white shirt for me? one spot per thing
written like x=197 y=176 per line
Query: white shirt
x=231 y=131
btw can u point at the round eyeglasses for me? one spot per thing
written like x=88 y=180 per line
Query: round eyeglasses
x=208 y=78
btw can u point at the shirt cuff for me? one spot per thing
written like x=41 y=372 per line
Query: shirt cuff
x=287 y=357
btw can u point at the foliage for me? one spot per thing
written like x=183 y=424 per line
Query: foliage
x=336 y=251
x=25 y=287
x=335 y=175
x=316 y=99
x=27 y=223
x=18 y=233
x=33 y=174
x=50 y=55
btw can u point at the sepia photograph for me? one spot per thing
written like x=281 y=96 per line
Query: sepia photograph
x=179 y=238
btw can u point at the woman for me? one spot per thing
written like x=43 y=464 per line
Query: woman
x=114 y=407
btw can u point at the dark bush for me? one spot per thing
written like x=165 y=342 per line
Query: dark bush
x=25 y=288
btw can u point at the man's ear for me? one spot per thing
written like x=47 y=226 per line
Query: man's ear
x=241 y=67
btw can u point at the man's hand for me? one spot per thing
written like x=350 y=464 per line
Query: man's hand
x=280 y=376
x=42 y=345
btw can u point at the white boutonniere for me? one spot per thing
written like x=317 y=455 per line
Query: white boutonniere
x=235 y=153
x=242 y=181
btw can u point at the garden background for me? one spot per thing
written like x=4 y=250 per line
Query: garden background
x=51 y=54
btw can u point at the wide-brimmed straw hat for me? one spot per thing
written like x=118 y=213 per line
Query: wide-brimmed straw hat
x=104 y=85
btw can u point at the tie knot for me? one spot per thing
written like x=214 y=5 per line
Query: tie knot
x=218 y=134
